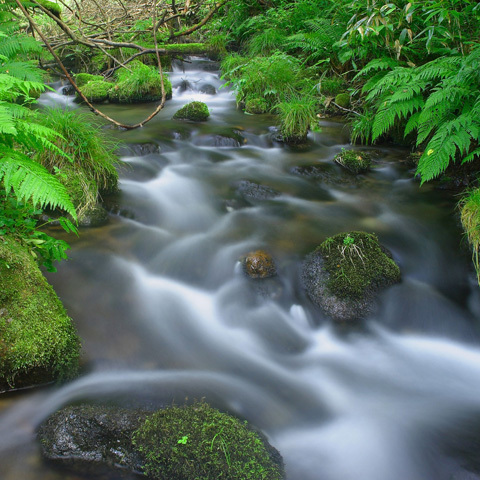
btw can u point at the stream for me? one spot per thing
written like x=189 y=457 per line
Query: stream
x=166 y=313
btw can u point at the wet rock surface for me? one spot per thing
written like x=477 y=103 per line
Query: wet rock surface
x=92 y=439
x=251 y=192
x=259 y=264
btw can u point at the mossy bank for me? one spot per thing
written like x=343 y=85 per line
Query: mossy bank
x=38 y=342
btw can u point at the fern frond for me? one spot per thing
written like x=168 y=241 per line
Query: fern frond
x=32 y=182
x=412 y=123
x=13 y=45
x=455 y=136
x=22 y=70
x=393 y=111
x=439 y=68
x=383 y=63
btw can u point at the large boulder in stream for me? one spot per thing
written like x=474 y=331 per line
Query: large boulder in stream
x=38 y=342
x=176 y=443
x=345 y=273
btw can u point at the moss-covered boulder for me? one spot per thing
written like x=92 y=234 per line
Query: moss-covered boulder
x=259 y=264
x=177 y=443
x=200 y=442
x=331 y=86
x=82 y=79
x=354 y=161
x=256 y=106
x=96 y=91
x=193 y=111
x=346 y=272
x=139 y=83
x=38 y=342
x=343 y=100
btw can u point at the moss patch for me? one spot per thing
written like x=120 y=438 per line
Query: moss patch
x=199 y=442
x=96 y=91
x=343 y=100
x=193 y=111
x=256 y=106
x=357 y=265
x=38 y=342
x=82 y=79
x=354 y=161
x=140 y=83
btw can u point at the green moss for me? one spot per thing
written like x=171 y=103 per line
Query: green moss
x=199 y=442
x=353 y=160
x=140 y=83
x=256 y=106
x=82 y=79
x=96 y=91
x=50 y=6
x=357 y=264
x=38 y=342
x=343 y=100
x=194 y=111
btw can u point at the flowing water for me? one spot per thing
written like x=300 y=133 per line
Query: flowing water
x=166 y=313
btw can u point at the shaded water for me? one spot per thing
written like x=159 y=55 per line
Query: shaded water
x=165 y=312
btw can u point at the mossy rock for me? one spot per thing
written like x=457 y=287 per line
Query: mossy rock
x=344 y=274
x=140 y=83
x=82 y=79
x=343 y=100
x=193 y=111
x=259 y=264
x=96 y=91
x=256 y=106
x=38 y=342
x=354 y=161
x=199 y=442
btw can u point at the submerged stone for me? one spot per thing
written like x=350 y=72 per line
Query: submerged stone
x=346 y=272
x=253 y=191
x=259 y=264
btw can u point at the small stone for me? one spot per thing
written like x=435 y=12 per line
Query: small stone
x=259 y=264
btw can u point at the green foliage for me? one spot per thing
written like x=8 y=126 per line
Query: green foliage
x=199 y=442
x=357 y=264
x=139 y=83
x=266 y=42
x=470 y=218
x=273 y=78
x=296 y=116
x=89 y=168
x=193 y=111
x=38 y=342
x=331 y=86
x=439 y=102
x=19 y=221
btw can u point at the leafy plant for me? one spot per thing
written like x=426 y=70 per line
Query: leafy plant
x=439 y=102
x=89 y=168
x=296 y=117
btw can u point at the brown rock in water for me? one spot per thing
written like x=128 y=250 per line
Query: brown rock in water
x=259 y=264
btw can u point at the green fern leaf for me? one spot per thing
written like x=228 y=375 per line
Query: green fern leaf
x=32 y=182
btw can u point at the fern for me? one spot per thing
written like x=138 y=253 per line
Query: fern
x=31 y=182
